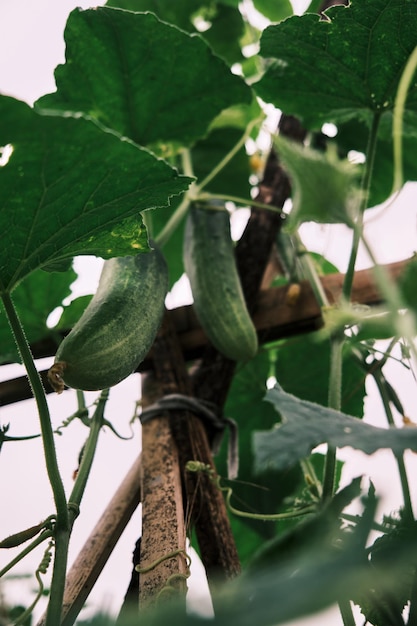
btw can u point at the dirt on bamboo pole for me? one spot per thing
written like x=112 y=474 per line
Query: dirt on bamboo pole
x=163 y=565
x=205 y=507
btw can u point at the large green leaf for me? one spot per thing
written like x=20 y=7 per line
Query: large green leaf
x=343 y=67
x=305 y=425
x=302 y=368
x=178 y=13
x=69 y=188
x=227 y=28
x=160 y=84
x=35 y=298
x=223 y=21
x=312 y=171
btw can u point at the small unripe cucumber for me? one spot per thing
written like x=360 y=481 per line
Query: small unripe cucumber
x=218 y=297
x=118 y=327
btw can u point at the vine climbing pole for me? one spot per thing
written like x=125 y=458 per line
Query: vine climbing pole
x=176 y=501
x=173 y=439
x=182 y=434
x=273 y=318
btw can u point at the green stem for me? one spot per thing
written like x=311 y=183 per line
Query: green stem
x=88 y=452
x=398 y=116
x=194 y=193
x=62 y=527
x=310 y=271
x=164 y=235
x=365 y=186
x=334 y=402
x=43 y=410
x=345 y=608
x=408 y=507
x=246 y=202
x=404 y=321
x=148 y=222
x=335 y=381
x=354 y=518
x=56 y=595
x=310 y=477
x=229 y=156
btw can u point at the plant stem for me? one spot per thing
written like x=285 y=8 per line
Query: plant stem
x=334 y=402
x=408 y=507
x=310 y=272
x=229 y=156
x=56 y=596
x=88 y=452
x=365 y=186
x=405 y=321
x=346 y=612
x=62 y=526
x=43 y=411
x=148 y=222
x=310 y=477
x=194 y=193
x=397 y=121
x=164 y=235
x=206 y=197
x=162 y=238
x=335 y=381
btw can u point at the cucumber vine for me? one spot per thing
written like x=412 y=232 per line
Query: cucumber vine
x=153 y=153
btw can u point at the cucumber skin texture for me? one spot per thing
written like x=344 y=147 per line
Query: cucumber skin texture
x=219 y=302
x=118 y=327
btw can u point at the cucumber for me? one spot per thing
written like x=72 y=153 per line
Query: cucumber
x=118 y=327
x=219 y=302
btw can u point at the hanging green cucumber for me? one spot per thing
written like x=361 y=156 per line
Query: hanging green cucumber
x=218 y=297
x=118 y=327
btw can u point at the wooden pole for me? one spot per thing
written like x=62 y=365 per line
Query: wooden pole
x=273 y=317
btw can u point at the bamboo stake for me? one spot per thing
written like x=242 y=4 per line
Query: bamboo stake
x=163 y=526
x=99 y=545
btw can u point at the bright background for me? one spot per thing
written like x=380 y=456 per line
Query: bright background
x=31 y=45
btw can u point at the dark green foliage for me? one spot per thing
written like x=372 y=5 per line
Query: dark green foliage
x=383 y=604
x=141 y=84
x=349 y=78
x=68 y=189
x=128 y=97
x=35 y=298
